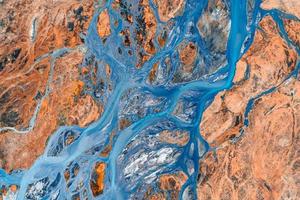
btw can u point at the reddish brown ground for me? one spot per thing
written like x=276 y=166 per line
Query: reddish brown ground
x=97 y=181
x=145 y=29
x=23 y=79
x=150 y=29
x=264 y=162
x=145 y=26
x=292 y=28
x=178 y=137
x=107 y=149
x=65 y=105
x=169 y=9
x=169 y=186
x=124 y=123
x=103 y=24
x=288 y=6
x=19 y=92
x=270 y=61
x=153 y=72
x=188 y=55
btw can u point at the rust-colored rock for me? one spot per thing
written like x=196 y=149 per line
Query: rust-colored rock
x=36 y=28
x=150 y=22
x=103 y=26
x=178 y=137
x=124 y=123
x=60 y=26
x=61 y=107
x=162 y=38
x=33 y=29
x=188 y=55
x=219 y=123
x=97 y=181
x=240 y=72
x=144 y=25
x=158 y=196
x=153 y=72
x=169 y=9
x=20 y=92
x=30 y=95
x=107 y=149
x=270 y=61
x=75 y=107
x=84 y=112
x=263 y=164
x=292 y=28
x=150 y=29
x=169 y=186
x=118 y=5
x=288 y=6
x=67 y=175
x=172 y=182
x=39 y=27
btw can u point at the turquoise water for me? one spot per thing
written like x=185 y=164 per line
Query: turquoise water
x=165 y=104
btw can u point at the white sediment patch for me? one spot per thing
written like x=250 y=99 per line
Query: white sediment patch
x=33 y=28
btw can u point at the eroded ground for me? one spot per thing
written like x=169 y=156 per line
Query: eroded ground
x=40 y=77
x=133 y=99
x=256 y=152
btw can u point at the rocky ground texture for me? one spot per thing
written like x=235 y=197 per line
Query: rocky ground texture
x=258 y=159
x=53 y=86
x=40 y=54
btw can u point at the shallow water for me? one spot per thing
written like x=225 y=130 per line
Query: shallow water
x=163 y=105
